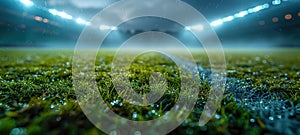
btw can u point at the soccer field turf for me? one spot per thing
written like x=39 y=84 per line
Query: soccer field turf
x=262 y=93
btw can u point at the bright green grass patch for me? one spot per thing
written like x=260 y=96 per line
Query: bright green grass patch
x=37 y=94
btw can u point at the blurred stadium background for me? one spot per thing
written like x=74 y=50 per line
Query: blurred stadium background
x=238 y=23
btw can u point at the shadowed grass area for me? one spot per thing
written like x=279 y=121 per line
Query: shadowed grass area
x=37 y=94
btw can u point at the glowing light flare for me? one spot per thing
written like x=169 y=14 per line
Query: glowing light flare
x=64 y=15
x=188 y=28
x=61 y=14
x=45 y=20
x=276 y=2
x=106 y=27
x=241 y=14
x=198 y=27
x=53 y=11
x=195 y=27
x=258 y=8
x=288 y=16
x=266 y=5
x=228 y=19
x=81 y=21
x=275 y=19
x=38 y=18
x=217 y=22
x=27 y=3
x=114 y=28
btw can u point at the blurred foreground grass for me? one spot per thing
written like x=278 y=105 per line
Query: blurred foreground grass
x=37 y=96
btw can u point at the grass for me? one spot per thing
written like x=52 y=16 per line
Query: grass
x=37 y=94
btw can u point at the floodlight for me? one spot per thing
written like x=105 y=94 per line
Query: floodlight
x=228 y=19
x=217 y=22
x=27 y=3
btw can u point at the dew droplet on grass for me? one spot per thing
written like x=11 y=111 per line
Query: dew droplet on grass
x=279 y=116
x=153 y=111
x=134 y=115
x=261 y=102
x=18 y=131
x=217 y=116
x=252 y=120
